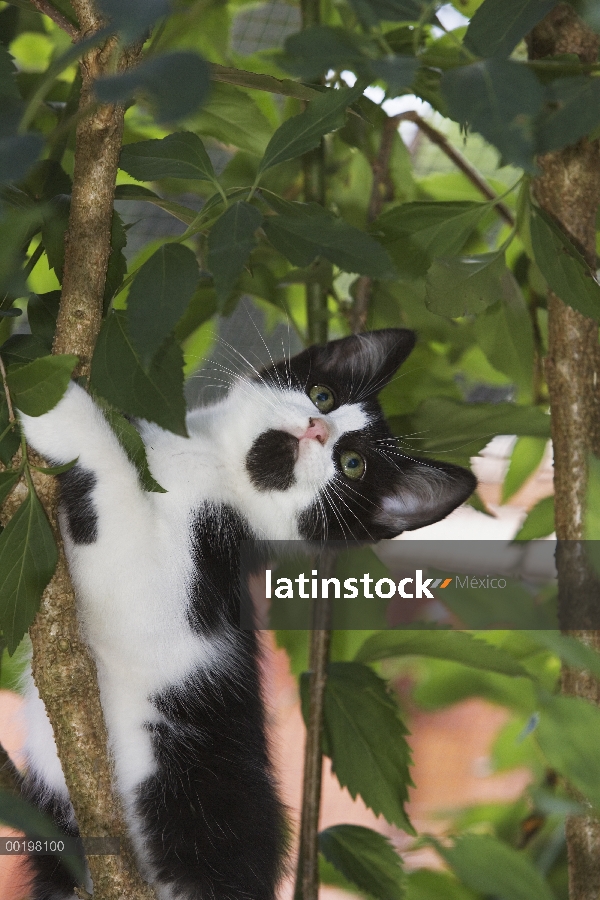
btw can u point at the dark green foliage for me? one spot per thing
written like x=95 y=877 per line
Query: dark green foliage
x=499 y=25
x=158 y=297
x=28 y=558
x=179 y=155
x=38 y=386
x=231 y=240
x=365 y=858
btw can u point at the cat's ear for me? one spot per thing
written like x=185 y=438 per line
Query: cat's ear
x=369 y=359
x=424 y=492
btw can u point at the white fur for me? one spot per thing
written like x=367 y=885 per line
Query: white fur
x=131 y=583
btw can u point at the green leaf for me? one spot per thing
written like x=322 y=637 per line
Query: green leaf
x=28 y=558
x=490 y=866
x=592 y=510
x=176 y=84
x=499 y=25
x=301 y=133
x=306 y=230
x=42 y=312
x=501 y=100
x=505 y=334
x=23 y=348
x=465 y=285
x=313 y=51
x=539 y=522
x=38 y=386
x=56 y=470
x=450 y=427
x=117 y=264
x=455 y=645
x=8 y=82
x=572 y=110
x=425 y=884
x=524 y=460
x=233 y=117
x=53 y=232
x=158 y=297
x=201 y=308
x=568 y=734
x=230 y=243
x=366 y=740
x=397 y=71
x=137 y=192
x=8 y=480
x=18 y=153
x=415 y=233
x=22 y=816
x=569 y=649
x=179 y=155
x=119 y=377
x=133 y=445
x=10 y=442
x=563 y=267
x=366 y=858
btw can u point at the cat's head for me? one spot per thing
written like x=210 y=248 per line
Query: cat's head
x=317 y=457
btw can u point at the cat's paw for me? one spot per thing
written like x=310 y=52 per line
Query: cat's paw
x=60 y=434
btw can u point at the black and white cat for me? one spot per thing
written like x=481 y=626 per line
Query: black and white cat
x=301 y=451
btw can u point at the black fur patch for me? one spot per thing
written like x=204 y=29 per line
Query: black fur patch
x=271 y=459
x=76 y=488
x=213 y=826
x=50 y=879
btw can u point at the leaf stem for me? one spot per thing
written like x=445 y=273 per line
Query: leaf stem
x=11 y=413
x=46 y=8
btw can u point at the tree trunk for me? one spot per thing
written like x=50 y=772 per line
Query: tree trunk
x=569 y=190
x=63 y=669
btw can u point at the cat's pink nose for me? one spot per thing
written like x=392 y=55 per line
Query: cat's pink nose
x=317 y=430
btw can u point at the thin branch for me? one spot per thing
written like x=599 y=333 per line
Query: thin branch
x=307 y=876
x=441 y=141
x=11 y=412
x=46 y=8
x=381 y=192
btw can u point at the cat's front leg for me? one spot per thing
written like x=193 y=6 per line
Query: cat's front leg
x=103 y=483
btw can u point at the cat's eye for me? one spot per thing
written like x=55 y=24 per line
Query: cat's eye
x=322 y=397
x=352 y=464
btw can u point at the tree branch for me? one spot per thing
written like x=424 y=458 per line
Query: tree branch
x=46 y=8
x=441 y=141
x=63 y=669
x=569 y=190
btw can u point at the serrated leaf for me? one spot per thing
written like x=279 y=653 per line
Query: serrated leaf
x=563 y=267
x=42 y=312
x=568 y=733
x=539 y=522
x=464 y=285
x=501 y=100
x=23 y=348
x=8 y=82
x=526 y=456
x=492 y=867
x=133 y=445
x=499 y=25
x=572 y=651
x=38 y=386
x=8 y=480
x=230 y=243
x=366 y=740
x=158 y=297
x=28 y=558
x=56 y=470
x=313 y=51
x=366 y=858
x=137 y=192
x=179 y=155
x=46 y=180
x=233 y=117
x=117 y=263
x=134 y=17
x=306 y=230
x=425 y=884
x=18 y=153
x=303 y=132
x=454 y=645
x=22 y=816
x=119 y=376
x=397 y=71
x=505 y=334
x=176 y=84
